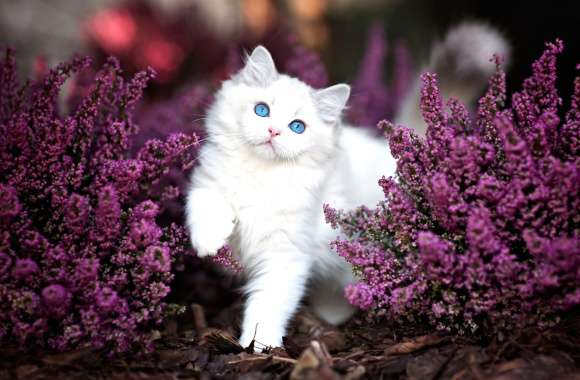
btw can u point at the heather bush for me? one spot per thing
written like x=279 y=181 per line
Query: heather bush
x=479 y=231
x=83 y=261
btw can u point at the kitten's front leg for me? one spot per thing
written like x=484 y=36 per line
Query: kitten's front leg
x=275 y=288
x=210 y=219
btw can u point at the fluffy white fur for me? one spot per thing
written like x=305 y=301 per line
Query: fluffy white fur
x=265 y=198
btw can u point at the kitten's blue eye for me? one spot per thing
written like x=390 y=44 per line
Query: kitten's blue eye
x=297 y=126
x=262 y=110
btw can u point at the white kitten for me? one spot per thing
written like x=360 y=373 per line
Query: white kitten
x=277 y=151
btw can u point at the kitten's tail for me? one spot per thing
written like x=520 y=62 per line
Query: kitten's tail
x=462 y=63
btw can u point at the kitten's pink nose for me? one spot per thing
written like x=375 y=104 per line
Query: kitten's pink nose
x=273 y=132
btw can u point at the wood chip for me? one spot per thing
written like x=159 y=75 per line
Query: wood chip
x=220 y=342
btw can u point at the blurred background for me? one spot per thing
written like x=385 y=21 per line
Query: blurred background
x=186 y=39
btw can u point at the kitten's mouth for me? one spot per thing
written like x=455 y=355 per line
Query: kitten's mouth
x=268 y=145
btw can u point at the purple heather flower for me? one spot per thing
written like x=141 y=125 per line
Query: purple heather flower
x=77 y=213
x=401 y=74
x=439 y=256
x=24 y=301
x=33 y=241
x=124 y=174
x=9 y=204
x=146 y=210
x=371 y=99
x=157 y=259
x=539 y=93
x=170 y=193
x=106 y=299
x=157 y=291
x=145 y=232
x=24 y=269
x=569 y=142
x=56 y=255
x=225 y=258
x=447 y=205
x=330 y=215
x=409 y=151
x=107 y=215
x=56 y=298
x=360 y=295
x=87 y=270
x=438 y=309
x=5 y=263
x=370 y=96
x=305 y=65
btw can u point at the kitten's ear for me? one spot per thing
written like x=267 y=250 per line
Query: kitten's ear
x=331 y=101
x=259 y=69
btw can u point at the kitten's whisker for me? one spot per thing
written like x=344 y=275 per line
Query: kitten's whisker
x=229 y=144
x=204 y=140
x=229 y=134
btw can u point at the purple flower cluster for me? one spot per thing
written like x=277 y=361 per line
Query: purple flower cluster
x=225 y=258
x=83 y=261
x=480 y=231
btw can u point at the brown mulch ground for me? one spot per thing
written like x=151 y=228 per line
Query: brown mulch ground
x=198 y=347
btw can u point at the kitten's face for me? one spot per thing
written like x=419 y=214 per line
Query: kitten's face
x=281 y=121
x=278 y=117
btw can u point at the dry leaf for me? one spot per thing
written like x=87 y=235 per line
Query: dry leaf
x=414 y=345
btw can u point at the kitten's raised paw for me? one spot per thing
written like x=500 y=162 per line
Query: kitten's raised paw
x=205 y=252
x=208 y=243
x=210 y=219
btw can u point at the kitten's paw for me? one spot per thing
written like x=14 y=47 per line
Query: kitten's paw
x=211 y=221
x=203 y=252
x=209 y=242
x=261 y=341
